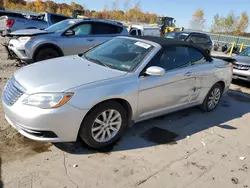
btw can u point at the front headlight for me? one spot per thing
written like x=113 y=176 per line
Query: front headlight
x=24 y=40
x=48 y=100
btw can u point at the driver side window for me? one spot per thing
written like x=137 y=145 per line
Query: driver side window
x=172 y=57
x=83 y=29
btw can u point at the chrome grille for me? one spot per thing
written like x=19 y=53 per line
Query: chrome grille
x=241 y=66
x=12 y=92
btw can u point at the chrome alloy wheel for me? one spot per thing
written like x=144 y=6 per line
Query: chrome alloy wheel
x=214 y=98
x=106 y=125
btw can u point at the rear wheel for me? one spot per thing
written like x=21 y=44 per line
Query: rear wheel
x=46 y=53
x=213 y=98
x=104 y=125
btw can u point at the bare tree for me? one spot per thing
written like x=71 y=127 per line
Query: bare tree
x=138 y=5
x=127 y=5
x=115 y=5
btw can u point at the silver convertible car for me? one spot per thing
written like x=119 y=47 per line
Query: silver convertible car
x=97 y=94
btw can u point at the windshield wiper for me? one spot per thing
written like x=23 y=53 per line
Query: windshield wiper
x=96 y=61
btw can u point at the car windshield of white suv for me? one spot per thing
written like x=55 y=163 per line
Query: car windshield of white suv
x=245 y=52
x=119 y=53
x=60 y=26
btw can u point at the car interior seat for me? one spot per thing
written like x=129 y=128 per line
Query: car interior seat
x=83 y=29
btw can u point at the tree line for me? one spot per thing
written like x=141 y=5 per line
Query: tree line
x=230 y=24
x=131 y=12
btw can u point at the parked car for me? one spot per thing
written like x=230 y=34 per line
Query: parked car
x=241 y=66
x=100 y=92
x=10 y=23
x=200 y=39
x=68 y=37
x=140 y=30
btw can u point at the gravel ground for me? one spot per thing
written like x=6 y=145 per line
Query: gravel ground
x=196 y=150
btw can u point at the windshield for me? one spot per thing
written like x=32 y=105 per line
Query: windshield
x=177 y=36
x=245 y=52
x=119 y=53
x=60 y=26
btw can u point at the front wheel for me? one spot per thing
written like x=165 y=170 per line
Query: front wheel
x=213 y=98
x=104 y=125
x=46 y=53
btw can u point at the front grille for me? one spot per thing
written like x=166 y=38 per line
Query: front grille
x=12 y=92
x=241 y=66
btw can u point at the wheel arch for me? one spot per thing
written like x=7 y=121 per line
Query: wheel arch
x=124 y=103
x=48 y=45
x=223 y=85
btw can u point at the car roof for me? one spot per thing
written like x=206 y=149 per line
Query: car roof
x=78 y=20
x=190 y=32
x=165 y=42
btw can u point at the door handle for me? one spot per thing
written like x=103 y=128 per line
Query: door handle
x=90 y=39
x=188 y=74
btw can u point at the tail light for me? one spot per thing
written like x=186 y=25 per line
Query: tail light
x=10 y=23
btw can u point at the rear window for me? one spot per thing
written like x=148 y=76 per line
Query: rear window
x=200 y=38
x=105 y=28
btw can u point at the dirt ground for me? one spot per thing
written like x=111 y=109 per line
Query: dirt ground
x=187 y=149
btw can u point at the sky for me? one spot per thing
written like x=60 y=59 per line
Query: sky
x=181 y=10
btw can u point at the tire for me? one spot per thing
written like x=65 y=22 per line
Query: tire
x=46 y=53
x=87 y=133
x=206 y=103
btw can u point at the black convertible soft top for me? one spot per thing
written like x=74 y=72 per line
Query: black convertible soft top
x=165 y=42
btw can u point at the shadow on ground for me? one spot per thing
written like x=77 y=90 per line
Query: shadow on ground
x=170 y=128
x=241 y=83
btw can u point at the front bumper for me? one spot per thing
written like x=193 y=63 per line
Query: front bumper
x=10 y=53
x=16 y=50
x=48 y=125
x=241 y=74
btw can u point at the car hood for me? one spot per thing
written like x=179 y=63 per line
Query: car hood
x=242 y=59
x=29 y=32
x=61 y=74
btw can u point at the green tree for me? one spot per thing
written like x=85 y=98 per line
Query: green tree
x=198 y=20
x=225 y=24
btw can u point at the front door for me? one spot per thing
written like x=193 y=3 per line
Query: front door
x=174 y=90
x=80 y=42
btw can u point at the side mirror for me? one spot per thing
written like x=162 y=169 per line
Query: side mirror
x=70 y=33
x=155 y=71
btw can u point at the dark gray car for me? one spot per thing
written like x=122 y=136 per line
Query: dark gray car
x=200 y=39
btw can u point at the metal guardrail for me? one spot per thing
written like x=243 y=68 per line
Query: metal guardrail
x=226 y=39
